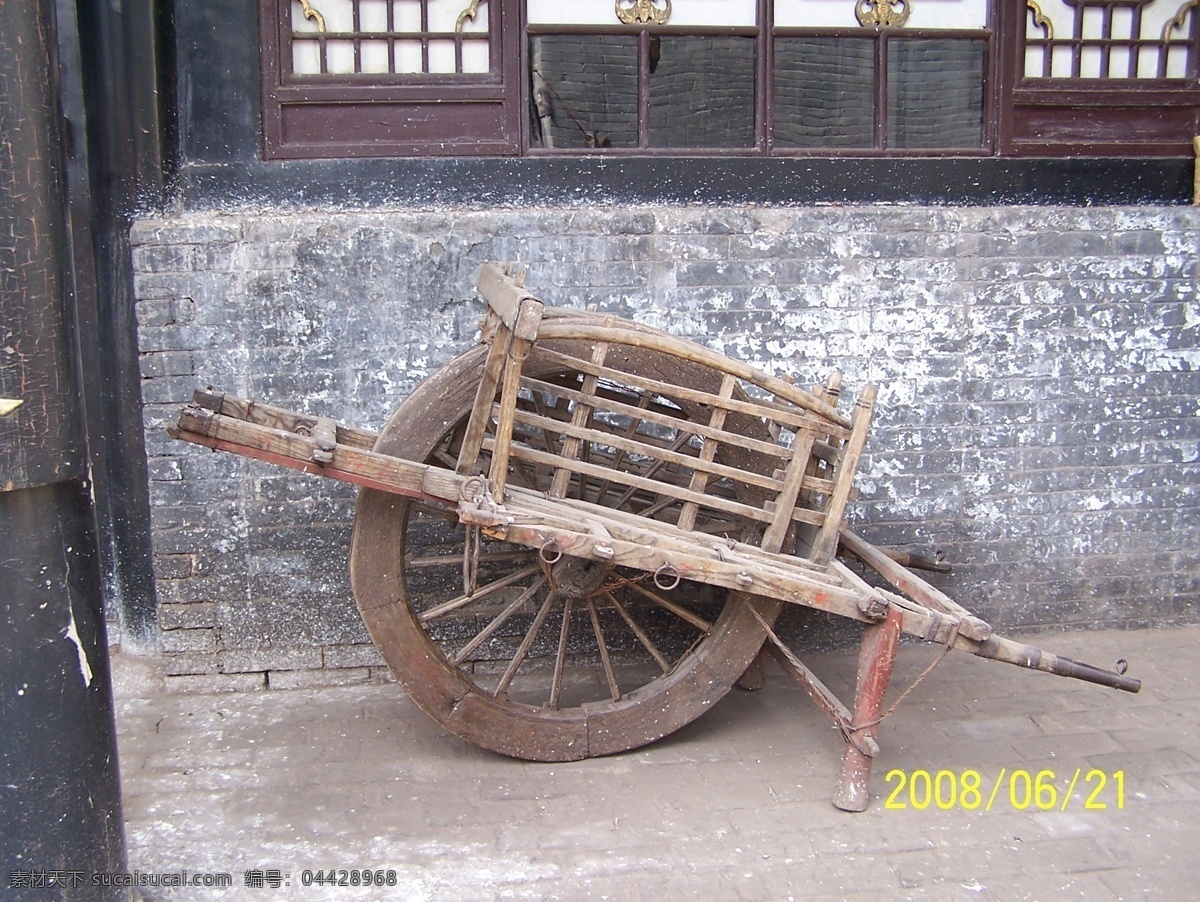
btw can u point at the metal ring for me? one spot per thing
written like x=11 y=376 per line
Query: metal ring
x=549 y=549
x=665 y=582
x=473 y=488
x=1122 y=666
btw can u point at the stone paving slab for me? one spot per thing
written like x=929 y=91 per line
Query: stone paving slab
x=735 y=806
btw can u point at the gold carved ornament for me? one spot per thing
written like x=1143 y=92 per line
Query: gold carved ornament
x=469 y=13
x=312 y=14
x=1040 y=20
x=882 y=13
x=643 y=12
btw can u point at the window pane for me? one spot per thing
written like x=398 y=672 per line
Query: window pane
x=584 y=91
x=935 y=93
x=702 y=91
x=825 y=92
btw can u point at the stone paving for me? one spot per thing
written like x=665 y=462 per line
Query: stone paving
x=735 y=806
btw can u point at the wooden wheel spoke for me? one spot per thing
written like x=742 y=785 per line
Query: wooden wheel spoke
x=678 y=610
x=639 y=632
x=499 y=620
x=613 y=689
x=560 y=660
x=647 y=643
x=523 y=649
x=483 y=591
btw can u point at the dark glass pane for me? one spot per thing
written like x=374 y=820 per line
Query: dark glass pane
x=702 y=91
x=935 y=93
x=825 y=92
x=584 y=91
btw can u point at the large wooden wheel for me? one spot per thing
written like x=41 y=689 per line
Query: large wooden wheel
x=524 y=651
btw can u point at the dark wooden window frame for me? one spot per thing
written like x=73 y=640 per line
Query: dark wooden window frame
x=347 y=116
x=1093 y=116
x=368 y=115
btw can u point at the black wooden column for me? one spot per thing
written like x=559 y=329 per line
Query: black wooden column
x=60 y=805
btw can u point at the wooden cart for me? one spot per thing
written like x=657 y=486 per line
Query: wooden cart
x=575 y=538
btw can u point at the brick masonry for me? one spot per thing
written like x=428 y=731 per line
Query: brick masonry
x=1037 y=420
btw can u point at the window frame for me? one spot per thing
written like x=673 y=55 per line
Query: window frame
x=422 y=115
x=487 y=115
x=1041 y=116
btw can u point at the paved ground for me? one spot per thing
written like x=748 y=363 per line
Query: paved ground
x=736 y=806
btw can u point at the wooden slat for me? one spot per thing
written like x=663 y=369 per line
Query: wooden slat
x=825 y=544
x=793 y=481
x=686 y=350
x=673 y=422
x=687 y=515
x=787 y=415
x=662 y=488
x=278 y=418
x=518 y=350
x=485 y=395
x=579 y=419
x=366 y=468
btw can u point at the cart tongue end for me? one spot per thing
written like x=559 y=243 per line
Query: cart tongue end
x=1022 y=655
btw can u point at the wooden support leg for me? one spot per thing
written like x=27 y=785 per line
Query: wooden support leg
x=876 y=656
x=755 y=676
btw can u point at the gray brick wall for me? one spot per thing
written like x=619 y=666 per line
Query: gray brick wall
x=1037 y=417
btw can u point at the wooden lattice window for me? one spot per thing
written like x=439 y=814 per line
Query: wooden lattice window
x=389 y=77
x=397 y=37
x=1110 y=39
x=1101 y=77
x=345 y=78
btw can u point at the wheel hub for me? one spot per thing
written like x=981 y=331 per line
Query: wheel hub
x=578 y=578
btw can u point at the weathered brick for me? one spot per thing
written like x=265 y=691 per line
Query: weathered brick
x=177 y=664
x=216 y=682
x=312 y=679
x=194 y=615
x=201 y=641
x=352 y=656
x=247 y=660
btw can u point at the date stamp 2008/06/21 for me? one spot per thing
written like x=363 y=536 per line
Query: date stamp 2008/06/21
x=1089 y=789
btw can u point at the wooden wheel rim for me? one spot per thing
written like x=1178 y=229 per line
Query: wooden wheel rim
x=453 y=698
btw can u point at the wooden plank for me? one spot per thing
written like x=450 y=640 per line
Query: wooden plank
x=485 y=395
x=366 y=468
x=278 y=418
x=519 y=310
x=687 y=515
x=825 y=544
x=579 y=418
x=518 y=350
x=636 y=528
x=791 y=416
x=789 y=493
x=686 y=350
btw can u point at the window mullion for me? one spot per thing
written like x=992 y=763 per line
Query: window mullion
x=643 y=99
x=765 y=120
x=881 y=92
